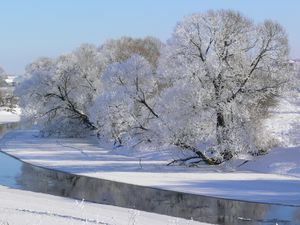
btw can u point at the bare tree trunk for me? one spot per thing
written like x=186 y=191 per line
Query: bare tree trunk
x=222 y=137
x=221 y=131
x=220 y=128
x=198 y=153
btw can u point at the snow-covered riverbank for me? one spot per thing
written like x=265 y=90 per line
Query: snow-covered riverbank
x=24 y=207
x=9 y=117
x=260 y=180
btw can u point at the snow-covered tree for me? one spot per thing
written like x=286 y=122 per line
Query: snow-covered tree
x=3 y=76
x=121 y=112
x=2 y=72
x=1 y=98
x=125 y=108
x=207 y=91
x=224 y=72
x=1 y=81
x=6 y=98
x=123 y=48
x=58 y=91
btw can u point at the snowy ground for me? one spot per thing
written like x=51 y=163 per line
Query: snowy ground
x=28 y=208
x=284 y=123
x=8 y=117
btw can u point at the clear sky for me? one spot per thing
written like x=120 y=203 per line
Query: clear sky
x=33 y=28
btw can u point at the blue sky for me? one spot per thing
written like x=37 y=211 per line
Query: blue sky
x=34 y=28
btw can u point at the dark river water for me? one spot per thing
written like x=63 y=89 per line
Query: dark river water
x=19 y=175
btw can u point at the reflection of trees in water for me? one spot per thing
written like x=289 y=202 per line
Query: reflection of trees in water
x=201 y=208
x=46 y=181
x=7 y=127
x=297 y=215
x=2 y=129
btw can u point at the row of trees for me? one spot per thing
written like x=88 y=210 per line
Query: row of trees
x=207 y=90
x=1 y=82
x=7 y=99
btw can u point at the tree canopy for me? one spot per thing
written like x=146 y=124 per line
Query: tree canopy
x=207 y=90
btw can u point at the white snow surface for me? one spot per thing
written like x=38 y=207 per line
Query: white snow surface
x=10 y=79
x=273 y=178
x=284 y=122
x=25 y=207
x=8 y=117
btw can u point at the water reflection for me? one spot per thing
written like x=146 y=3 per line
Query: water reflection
x=9 y=169
x=16 y=174
x=201 y=208
x=7 y=127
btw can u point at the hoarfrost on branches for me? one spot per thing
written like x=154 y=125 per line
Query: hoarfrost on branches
x=125 y=108
x=225 y=73
x=208 y=90
x=58 y=91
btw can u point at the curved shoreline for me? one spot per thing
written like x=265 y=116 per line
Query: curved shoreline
x=141 y=186
x=200 y=208
x=203 y=208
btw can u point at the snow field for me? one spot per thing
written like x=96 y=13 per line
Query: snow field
x=28 y=208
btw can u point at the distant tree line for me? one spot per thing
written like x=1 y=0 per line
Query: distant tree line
x=207 y=90
x=7 y=100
